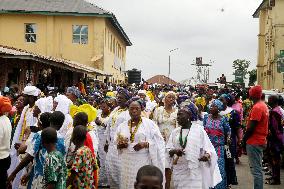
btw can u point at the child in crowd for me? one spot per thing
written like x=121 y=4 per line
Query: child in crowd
x=148 y=177
x=83 y=163
x=55 y=171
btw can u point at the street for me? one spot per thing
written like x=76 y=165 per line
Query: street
x=245 y=178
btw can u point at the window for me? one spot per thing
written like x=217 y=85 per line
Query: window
x=80 y=34
x=30 y=33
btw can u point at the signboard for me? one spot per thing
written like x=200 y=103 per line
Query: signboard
x=281 y=53
x=198 y=60
x=280 y=65
x=239 y=76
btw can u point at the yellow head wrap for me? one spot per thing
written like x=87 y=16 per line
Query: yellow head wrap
x=200 y=101
x=110 y=94
x=86 y=108
x=150 y=95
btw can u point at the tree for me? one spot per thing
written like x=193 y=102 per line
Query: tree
x=240 y=70
x=252 y=77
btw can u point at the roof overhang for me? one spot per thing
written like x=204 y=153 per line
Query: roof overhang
x=262 y=6
x=110 y=16
x=11 y=52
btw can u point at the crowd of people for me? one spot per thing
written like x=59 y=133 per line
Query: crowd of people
x=138 y=136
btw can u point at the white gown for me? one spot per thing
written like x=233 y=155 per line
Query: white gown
x=131 y=160
x=113 y=161
x=15 y=160
x=101 y=131
x=189 y=172
x=166 y=122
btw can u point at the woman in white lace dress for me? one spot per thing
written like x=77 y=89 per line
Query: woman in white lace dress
x=166 y=119
x=140 y=143
x=166 y=116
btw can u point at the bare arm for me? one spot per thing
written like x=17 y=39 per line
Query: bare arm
x=27 y=159
x=250 y=130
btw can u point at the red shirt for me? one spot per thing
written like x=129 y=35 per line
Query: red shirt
x=89 y=143
x=260 y=113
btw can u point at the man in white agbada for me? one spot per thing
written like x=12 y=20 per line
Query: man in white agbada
x=113 y=161
x=194 y=159
x=26 y=120
x=140 y=143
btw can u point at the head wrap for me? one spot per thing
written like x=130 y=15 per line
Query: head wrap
x=140 y=101
x=107 y=100
x=181 y=98
x=142 y=92
x=200 y=101
x=125 y=93
x=145 y=93
x=255 y=92
x=31 y=91
x=191 y=107
x=86 y=108
x=45 y=104
x=74 y=90
x=225 y=96
x=110 y=94
x=218 y=104
x=169 y=93
x=6 y=90
x=5 y=105
x=150 y=95
x=63 y=105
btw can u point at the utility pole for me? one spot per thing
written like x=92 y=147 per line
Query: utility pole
x=170 y=63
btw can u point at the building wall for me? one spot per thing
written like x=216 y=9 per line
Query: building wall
x=271 y=41
x=54 y=38
x=114 y=53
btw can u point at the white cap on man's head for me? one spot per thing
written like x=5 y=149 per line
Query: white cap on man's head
x=31 y=91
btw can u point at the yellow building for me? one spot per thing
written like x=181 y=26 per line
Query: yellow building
x=67 y=29
x=270 y=72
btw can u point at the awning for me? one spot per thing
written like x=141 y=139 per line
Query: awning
x=11 y=52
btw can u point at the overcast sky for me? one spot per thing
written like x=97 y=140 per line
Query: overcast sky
x=217 y=30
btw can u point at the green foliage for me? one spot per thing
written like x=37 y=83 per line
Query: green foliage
x=240 y=69
x=252 y=77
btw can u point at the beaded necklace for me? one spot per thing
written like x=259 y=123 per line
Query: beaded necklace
x=183 y=144
x=132 y=134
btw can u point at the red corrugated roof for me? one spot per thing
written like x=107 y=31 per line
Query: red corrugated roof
x=161 y=79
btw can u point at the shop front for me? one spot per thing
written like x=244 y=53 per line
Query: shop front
x=22 y=68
